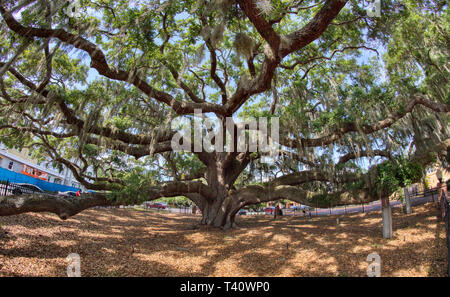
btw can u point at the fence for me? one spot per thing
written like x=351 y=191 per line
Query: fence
x=145 y=207
x=434 y=192
x=417 y=198
x=168 y=208
x=7 y=188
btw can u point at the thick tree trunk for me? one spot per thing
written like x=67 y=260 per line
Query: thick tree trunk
x=387 y=218
x=221 y=175
x=219 y=213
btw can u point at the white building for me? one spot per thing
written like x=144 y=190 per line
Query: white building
x=21 y=162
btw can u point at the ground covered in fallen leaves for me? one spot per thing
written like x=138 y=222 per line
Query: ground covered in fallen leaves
x=127 y=242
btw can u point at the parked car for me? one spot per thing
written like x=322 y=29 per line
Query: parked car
x=68 y=193
x=242 y=212
x=21 y=188
x=164 y=204
x=269 y=210
x=157 y=205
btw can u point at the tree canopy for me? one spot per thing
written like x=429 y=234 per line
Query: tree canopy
x=95 y=86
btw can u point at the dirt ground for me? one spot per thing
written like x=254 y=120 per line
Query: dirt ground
x=125 y=242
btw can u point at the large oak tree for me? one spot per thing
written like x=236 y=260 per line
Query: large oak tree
x=362 y=101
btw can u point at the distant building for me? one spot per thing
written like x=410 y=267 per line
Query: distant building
x=431 y=180
x=22 y=162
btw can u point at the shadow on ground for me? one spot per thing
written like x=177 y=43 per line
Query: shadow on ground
x=123 y=242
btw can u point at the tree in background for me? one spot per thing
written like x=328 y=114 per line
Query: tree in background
x=362 y=102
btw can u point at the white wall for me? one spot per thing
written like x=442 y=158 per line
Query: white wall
x=17 y=166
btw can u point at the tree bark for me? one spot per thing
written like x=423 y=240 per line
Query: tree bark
x=64 y=207
x=219 y=213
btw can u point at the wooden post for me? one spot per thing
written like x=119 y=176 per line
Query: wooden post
x=387 y=217
x=407 y=200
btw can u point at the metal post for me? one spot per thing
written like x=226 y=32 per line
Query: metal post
x=6 y=188
x=447 y=229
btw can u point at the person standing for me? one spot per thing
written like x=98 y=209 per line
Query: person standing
x=277 y=211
